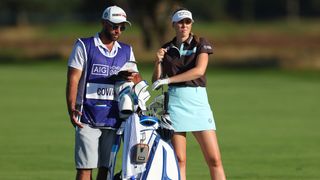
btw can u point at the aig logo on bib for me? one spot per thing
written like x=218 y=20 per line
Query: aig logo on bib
x=104 y=70
x=100 y=69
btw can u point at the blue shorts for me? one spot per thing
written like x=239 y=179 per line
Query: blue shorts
x=189 y=109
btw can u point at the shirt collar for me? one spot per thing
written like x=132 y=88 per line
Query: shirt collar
x=98 y=42
x=187 y=42
x=190 y=38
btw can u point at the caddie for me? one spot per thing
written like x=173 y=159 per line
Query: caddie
x=93 y=70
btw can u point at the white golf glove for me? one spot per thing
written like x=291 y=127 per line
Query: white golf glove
x=160 y=82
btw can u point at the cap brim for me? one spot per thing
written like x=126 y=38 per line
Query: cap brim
x=118 y=22
x=181 y=14
x=177 y=20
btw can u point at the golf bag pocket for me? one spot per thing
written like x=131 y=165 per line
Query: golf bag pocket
x=162 y=163
x=140 y=153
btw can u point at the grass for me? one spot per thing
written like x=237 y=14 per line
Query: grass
x=230 y=29
x=215 y=29
x=277 y=43
x=221 y=29
x=267 y=124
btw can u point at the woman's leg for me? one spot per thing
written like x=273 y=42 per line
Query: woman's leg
x=179 y=145
x=210 y=149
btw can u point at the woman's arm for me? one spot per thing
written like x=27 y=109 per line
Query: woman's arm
x=194 y=73
x=157 y=71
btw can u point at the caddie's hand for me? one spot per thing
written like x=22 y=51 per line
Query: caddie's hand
x=74 y=116
x=160 y=82
x=125 y=75
x=136 y=78
x=160 y=55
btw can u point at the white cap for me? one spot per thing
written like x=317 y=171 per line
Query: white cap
x=182 y=14
x=115 y=15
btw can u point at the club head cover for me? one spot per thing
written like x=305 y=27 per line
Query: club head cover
x=165 y=129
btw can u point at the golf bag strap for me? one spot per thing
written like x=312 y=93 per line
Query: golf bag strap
x=113 y=157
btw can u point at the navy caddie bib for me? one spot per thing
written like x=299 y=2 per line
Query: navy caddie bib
x=100 y=108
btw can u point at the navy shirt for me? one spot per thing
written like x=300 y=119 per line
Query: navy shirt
x=181 y=58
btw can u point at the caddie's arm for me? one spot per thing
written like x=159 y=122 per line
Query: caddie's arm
x=73 y=79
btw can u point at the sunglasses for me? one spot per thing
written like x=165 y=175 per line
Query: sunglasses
x=185 y=21
x=116 y=26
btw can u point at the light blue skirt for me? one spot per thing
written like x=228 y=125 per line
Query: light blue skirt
x=189 y=109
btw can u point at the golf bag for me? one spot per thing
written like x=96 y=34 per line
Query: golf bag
x=147 y=153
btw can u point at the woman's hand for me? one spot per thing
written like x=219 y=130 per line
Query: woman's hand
x=160 y=54
x=160 y=82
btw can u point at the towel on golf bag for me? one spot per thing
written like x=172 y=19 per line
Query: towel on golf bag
x=161 y=164
x=132 y=130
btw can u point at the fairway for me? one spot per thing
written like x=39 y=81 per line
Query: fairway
x=268 y=124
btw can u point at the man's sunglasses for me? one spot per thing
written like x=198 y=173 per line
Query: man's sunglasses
x=185 y=21
x=116 y=26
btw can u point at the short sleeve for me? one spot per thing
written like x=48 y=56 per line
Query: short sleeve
x=205 y=46
x=132 y=57
x=78 y=56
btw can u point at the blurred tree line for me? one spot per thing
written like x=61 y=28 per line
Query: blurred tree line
x=17 y=12
x=151 y=16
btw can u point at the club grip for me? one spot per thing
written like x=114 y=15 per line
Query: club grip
x=166 y=101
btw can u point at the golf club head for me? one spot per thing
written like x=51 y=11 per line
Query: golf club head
x=156 y=106
x=165 y=134
x=165 y=121
x=165 y=129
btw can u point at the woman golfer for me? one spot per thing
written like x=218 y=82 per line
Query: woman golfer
x=181 y=63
